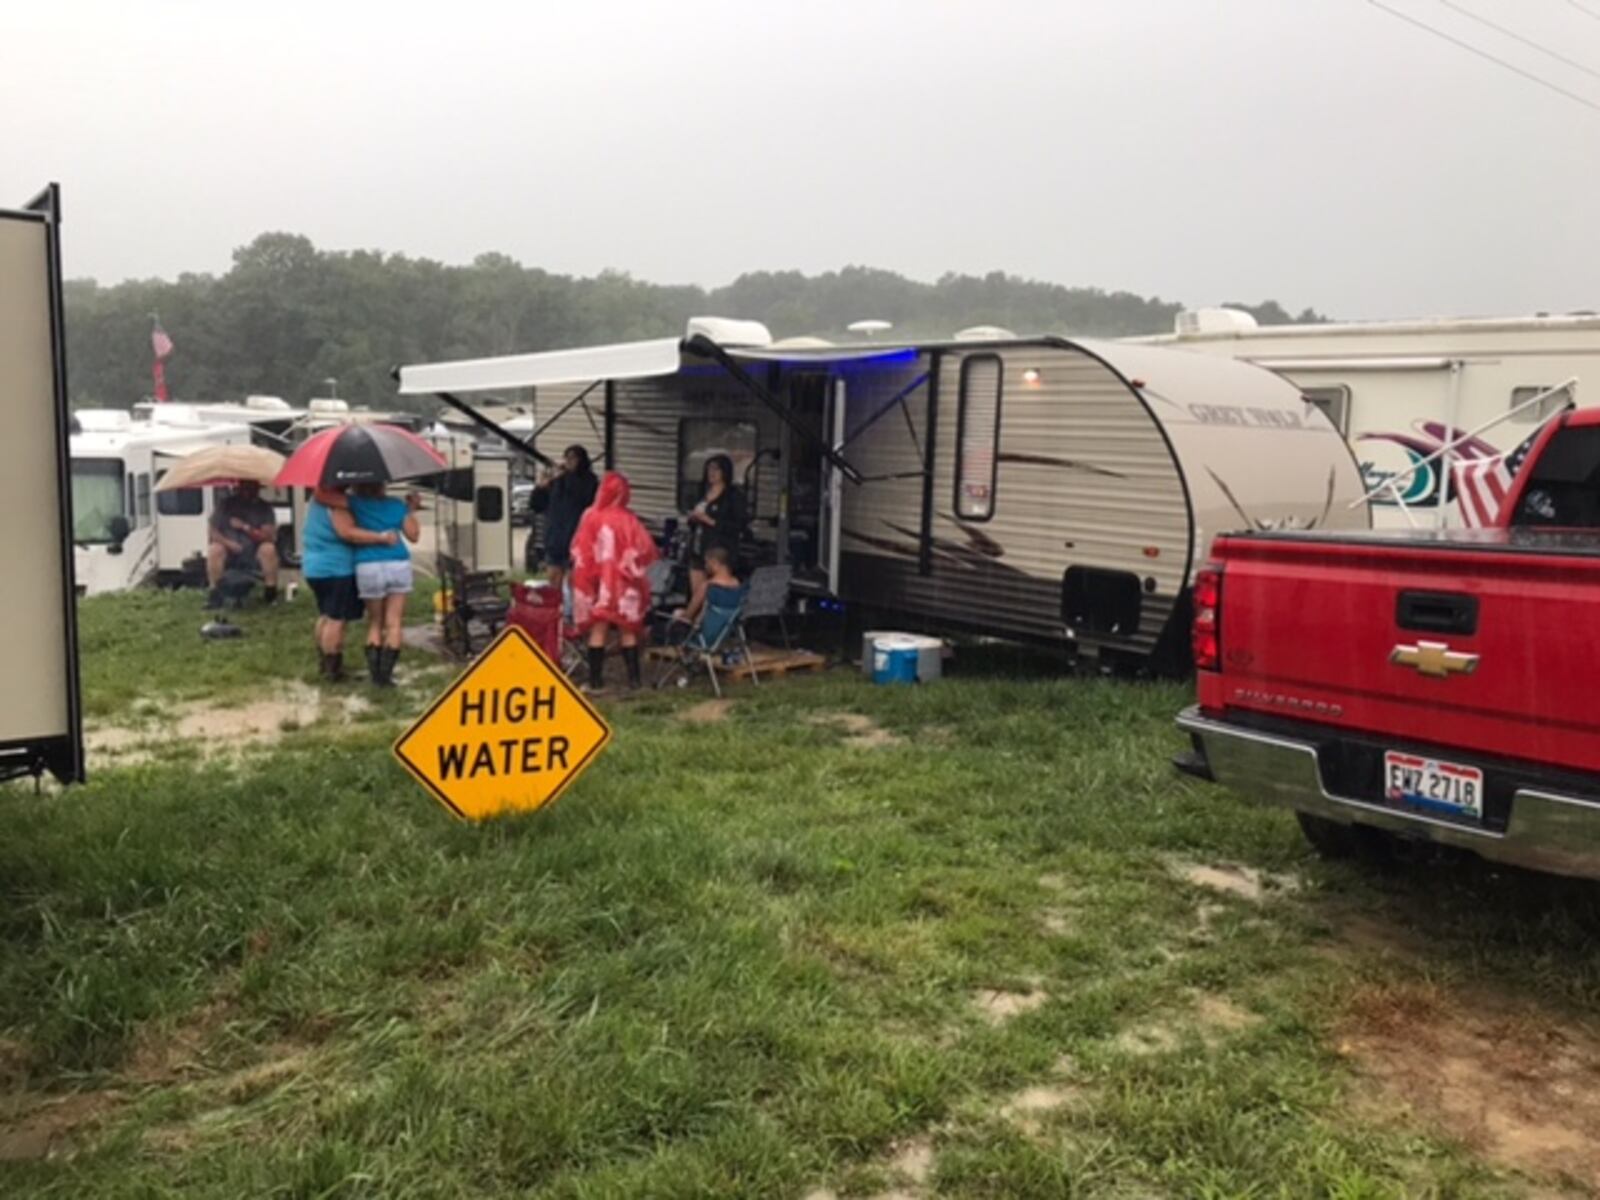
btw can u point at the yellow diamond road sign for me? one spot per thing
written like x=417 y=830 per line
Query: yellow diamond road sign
x=508 y=736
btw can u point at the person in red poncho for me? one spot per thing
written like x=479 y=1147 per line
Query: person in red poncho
x=611 y=552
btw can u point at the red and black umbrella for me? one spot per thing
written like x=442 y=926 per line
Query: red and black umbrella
x=352 y=454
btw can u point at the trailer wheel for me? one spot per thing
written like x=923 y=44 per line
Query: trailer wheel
x=1328 y=838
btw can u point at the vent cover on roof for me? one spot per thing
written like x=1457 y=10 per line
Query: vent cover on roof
x=1199 y=321
x=984 y=333
x=725 y=331
x=267 y=403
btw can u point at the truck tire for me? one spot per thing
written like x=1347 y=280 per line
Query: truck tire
x=1328 y=838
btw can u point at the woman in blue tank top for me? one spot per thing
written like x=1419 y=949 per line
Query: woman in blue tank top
x=329 y=565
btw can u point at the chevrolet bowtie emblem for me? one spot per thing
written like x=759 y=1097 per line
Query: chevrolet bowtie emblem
x=1434 y=658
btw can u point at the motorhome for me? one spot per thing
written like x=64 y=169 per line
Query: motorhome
x=1400 y=391
x=1031 y=488
x=124 y=533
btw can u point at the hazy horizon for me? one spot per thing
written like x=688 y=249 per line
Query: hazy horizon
x=1323 y=154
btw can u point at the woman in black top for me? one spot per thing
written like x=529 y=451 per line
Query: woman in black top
x=718 y=520
x=563 y=496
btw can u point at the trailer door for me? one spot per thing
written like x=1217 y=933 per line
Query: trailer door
x=41 y=724
x=492 y=513
x=181 y=518
x=832 y=487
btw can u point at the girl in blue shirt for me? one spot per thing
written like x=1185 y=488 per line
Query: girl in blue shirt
x=383 y=572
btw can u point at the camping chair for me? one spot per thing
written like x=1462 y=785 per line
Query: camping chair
x=769 y=597
x=719 y=624
x=477 y=610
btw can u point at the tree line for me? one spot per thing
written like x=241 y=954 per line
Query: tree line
x=287 y=317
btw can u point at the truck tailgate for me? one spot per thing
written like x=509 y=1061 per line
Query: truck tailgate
x=1447 y=641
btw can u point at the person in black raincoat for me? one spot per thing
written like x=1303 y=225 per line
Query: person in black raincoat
x=562 y=496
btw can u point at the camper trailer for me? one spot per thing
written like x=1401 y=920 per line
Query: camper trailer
x=124 y=533
x=1030 y=488
x=1401 y=390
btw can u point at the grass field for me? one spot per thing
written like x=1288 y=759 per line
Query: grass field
x=969 y=940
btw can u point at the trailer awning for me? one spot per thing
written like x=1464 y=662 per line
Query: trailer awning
x=621 y=360
x=624 y=360
x=1352 y=364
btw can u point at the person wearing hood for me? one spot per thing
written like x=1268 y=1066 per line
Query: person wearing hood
x=562 y=496
x=611 y=554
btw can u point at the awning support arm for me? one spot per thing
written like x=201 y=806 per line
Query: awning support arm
x=900 y=400
x=562 y=411
x=499 y=431
x=704 y=347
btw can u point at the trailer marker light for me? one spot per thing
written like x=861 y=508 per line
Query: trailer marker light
x=1152 y=551
x=1031 y=377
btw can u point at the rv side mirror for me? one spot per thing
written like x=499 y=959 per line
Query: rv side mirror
x=119 y=530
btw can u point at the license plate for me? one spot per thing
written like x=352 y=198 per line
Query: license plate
x=1433 y=785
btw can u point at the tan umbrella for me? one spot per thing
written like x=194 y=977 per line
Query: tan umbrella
x=218 y=465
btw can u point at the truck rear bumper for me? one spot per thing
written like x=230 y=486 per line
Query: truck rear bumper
x=1547 y=831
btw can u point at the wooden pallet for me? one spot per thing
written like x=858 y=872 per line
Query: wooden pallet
x=766 y=662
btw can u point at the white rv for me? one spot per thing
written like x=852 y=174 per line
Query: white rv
x=1032 y=488
x=124 y=533
x=1401 y=390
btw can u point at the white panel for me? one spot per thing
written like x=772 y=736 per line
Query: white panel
x=34 y=638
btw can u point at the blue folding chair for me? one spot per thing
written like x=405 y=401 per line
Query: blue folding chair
x=720 y=625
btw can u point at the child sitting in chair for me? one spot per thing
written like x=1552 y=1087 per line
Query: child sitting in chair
x=722 y=597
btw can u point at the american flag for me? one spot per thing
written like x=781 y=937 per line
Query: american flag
x=1482 y=485
x=160 y=342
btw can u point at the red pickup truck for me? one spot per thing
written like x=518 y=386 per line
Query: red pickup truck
x=1441 y=685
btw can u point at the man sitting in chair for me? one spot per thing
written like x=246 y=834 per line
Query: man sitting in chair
x=242 y=543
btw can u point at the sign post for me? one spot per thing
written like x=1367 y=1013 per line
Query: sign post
x=508 y=736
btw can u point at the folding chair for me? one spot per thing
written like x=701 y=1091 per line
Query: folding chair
x=719 y=624
x=769 y=597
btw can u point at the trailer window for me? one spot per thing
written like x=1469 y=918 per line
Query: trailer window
x=96 y=498
x=142 y=496
x=1334 y=402
x=491 y=505
x=702 y=438
x=184 y=502
x=978 y=437
x=1535 y=413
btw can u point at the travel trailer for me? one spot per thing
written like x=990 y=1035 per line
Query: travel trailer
x=469 y=516
x=41 y=710
x=1030 y=488
x=125 y=533
x=1401 y=390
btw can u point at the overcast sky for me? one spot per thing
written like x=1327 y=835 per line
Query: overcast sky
x=1318 y=152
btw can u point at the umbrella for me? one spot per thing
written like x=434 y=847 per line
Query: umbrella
x=351 y=454
x=218 y=465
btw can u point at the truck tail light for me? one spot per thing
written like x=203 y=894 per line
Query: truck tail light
x=1206 y=635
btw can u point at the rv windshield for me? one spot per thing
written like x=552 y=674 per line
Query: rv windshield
x=96 y=497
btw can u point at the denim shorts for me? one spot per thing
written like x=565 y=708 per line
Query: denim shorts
x=388 y=577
